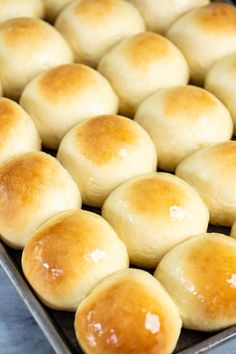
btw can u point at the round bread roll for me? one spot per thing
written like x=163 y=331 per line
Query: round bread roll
x=105 y=151
x=181 y=120
x=34 y=187
x=140 y=65
x=152 y=213
x=159 y=15
x=92 y=27
x=59 y=98
x=68 y=255
x=54 y=7
x=205 y=35
x=27 y=47
x=18 y=133
x=128 y=312
x=221 y=81
x=212 y=172
x=24 y=8
x=200 y=276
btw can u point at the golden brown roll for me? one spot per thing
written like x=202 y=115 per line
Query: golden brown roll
x=159 y=15
x=212 y=172
x=128 y=312
x=27 y=47
x=92 y=27
x=140 y=65
x=54 y=7
x=200 y=276
x=152 y=213
x=181 y=120
x=103 y=152
x=68 y=255
x=205 y=35
x=18 y=133
x=24 y=8
x=62 y=96
x=34 y=187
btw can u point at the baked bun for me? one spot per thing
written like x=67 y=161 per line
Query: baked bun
x=68 y=255
x=128 y=312
x=199 y=275
x=24 y=8
x=59 y=98
x=181 y=120
x=221 y=81
x=27 y=47
x=205 y=35
x=140 y=65
x=54 y=7
x=152 y=213
x=212 y=172
x=159 y=15
x=92 y=27
x=34 y=187
x=18 y=133
x=105 y=151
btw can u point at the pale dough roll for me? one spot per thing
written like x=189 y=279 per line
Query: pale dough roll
x=205 y=35
x=140 y=65
x=62 y=96
x=128 y=312
x=92 y=27
x=200 y=276
x=54 y=7
x=105 y=151
x=34 y=187
x=69 y=255
x=152 y=213
x=20 y=8
x=181 y=120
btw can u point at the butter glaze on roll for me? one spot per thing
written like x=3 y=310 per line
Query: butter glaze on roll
x=54 y=7
x=103 y=152
x=140 y=65
x=199 y=275
x=69 y=254
x=92 y=27
x=34 y=187
x=128 y=312
x=20 y=8
x=152 y=213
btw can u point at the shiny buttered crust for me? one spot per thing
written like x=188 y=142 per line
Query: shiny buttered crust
x=105 y=151
x=200 y=276
x=20 y=8
x=212 y=172
x=65 y=95
x=27 y=47
x=34 y=187
x=205 y=35
x=221 y=81
x=68 y=255
x=54 y=7
x=154 y=212
x=140 y=65
x=92 y=27
x=18 y=133
x=181 y=120
x=128 y=312
x=159 y=15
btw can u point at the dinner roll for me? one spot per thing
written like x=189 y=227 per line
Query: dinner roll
x=212 y=172
x=18 y=133
x=68 y=255
x=60 y=97
x=105 y=151
x=152 y=213
x=200 y=276
x=92 y=27
x=34 y=187
x=128 y=312
x=221 y=81
x=54 y=7
x=159 y=15
x=27 y=47
x=24 y=8
x=140 y=65
x=205 y=35
x=181 y=120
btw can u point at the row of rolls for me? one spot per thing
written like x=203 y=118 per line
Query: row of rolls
x=111 y=101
